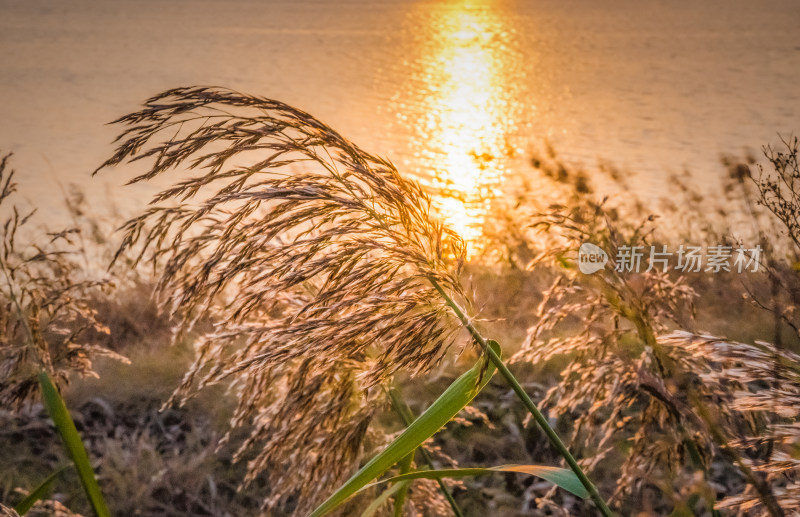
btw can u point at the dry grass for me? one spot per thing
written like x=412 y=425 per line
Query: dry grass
x=315 y=258
x=686 y=408
x=47 y=316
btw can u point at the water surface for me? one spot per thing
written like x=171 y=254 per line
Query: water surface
x=455 y=93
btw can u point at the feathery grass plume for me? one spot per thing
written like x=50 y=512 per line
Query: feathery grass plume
x=675 y=408
x=47 y=319
x=614 y=387
x=762 y=381
x=314 y=257
x=770 y=366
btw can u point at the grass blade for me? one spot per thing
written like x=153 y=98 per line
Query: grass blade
x=405 y=413
x=400 y=499
x=454 y=398
x=563 y=478
x=39 y=492
x=72 y=441
x=385 y=495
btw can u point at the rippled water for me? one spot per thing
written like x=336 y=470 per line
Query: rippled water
x=456 y=93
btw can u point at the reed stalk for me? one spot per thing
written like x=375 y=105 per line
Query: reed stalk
x=512 y=381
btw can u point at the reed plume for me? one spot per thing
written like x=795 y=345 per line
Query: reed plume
x=693 y=412
x=47 y=318
x=313 y=257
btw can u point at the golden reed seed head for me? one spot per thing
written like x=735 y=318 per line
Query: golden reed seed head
x=312 y=257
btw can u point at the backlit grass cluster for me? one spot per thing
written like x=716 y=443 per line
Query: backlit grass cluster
x=315 y=284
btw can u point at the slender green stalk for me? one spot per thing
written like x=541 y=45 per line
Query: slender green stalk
x=526 y=400
x=400 y=498
x=379 y=501
x=402 y=409
x=563 y=478
x=73 y=443
x=450 y=402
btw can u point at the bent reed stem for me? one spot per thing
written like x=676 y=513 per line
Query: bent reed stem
x=512 y=381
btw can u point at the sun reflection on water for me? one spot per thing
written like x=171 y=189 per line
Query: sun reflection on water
x=468 y=117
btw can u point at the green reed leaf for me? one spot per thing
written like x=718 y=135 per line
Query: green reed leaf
x=563 y=478
x=455 y=397
x=72 y=441
x=39 y=492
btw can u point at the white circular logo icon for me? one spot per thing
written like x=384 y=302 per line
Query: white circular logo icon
x=591 y=258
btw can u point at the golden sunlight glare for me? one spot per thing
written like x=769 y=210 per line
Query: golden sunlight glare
x=467 y=117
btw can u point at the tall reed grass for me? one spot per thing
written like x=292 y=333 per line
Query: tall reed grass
x=313 y=278
x=641 y=378
x=49 y=328
x=342 y=276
